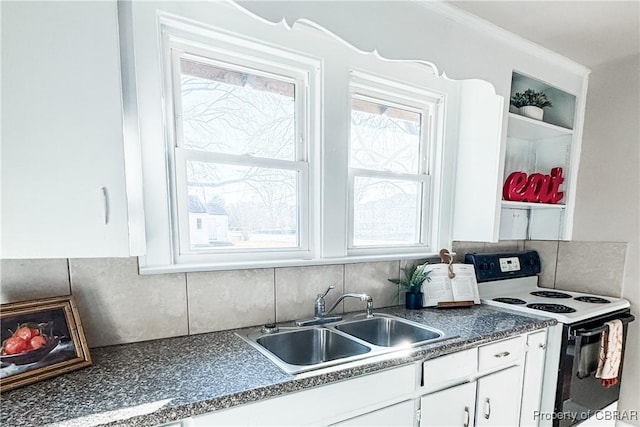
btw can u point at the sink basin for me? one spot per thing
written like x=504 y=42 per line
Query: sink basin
x=311 y=346
x=304 y=348
x=388 y=332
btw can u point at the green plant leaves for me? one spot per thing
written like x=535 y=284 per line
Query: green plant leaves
x=413 y=277
x=530 y=98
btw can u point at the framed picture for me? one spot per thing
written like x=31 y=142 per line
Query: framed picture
x=40 y=339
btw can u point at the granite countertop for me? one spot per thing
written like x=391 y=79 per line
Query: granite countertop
x=155 y=382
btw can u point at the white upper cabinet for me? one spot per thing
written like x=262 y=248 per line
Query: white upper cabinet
x=63 y=170
x=478 y=163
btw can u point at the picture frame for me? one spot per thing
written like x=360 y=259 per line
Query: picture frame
x=41 y=339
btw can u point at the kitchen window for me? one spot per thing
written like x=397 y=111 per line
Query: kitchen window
x=284 y=147
x=389 y=151
x=241 y=186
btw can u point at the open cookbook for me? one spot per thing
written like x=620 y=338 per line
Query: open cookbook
x=461 y=289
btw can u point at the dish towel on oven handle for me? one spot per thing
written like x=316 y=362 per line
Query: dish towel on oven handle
x=610 y=353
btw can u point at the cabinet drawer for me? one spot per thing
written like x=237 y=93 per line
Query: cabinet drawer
x=449 y=368
x=501 y=353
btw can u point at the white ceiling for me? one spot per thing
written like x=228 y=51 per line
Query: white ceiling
x=589 y=32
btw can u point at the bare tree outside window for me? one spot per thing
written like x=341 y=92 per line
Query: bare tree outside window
x=386 y=211
x=248 y=116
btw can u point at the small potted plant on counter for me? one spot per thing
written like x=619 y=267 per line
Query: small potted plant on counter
x=412 y=283
x=530 y=103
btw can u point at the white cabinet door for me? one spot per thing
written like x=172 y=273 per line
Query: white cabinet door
x=532 y=380
x=63 y=180
x=451 y=407
x=400 y=414
x=479 y=164
x=498 y=398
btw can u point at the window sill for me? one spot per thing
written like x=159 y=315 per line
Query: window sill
x=191 y=268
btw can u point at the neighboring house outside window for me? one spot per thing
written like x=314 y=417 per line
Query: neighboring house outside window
x=197 y=214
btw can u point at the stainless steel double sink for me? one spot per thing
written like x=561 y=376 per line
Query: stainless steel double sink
x=299 y=349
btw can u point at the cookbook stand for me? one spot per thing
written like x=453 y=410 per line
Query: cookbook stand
x=462 y=270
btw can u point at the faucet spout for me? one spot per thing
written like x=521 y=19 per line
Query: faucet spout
x=321 y=316
x=362 y=297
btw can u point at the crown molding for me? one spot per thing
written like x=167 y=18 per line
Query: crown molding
x=468 y=19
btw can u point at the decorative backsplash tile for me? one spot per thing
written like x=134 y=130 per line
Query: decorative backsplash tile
x=548 y=252
x=220 y=300
x=25 y=279
x=371 y=278
x=117 y=305
x=591 y=267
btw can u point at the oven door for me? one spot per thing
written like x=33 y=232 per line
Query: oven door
x=580 y=394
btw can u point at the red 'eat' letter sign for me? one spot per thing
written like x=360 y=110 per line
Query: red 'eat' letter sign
x=536 y=188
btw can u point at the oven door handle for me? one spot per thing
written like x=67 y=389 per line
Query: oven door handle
x=600 y=329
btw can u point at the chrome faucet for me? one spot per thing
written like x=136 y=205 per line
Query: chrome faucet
x=321 y=316
x=362 y=297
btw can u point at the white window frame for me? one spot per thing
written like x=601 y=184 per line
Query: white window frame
x=331 y=66
x=429 y=104
x=239 y=55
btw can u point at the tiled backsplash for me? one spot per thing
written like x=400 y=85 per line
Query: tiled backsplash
x=117 y=305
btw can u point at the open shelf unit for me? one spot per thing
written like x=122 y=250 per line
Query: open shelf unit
x=538 y=146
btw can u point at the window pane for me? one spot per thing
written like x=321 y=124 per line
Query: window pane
x=384 y=137
x=234 y=112
x=385 y=212
x=242 y=207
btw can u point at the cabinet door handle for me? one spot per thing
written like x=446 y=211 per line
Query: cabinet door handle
x=487 y=408
x=466 y=416
x=105 y=200
x=542 y=346
x=503 y=354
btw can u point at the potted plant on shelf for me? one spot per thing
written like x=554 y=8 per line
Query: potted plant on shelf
x=412 y=283
x=530 y=103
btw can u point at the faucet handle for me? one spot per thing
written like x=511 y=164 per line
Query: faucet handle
x=319 y=303
x=320 y=296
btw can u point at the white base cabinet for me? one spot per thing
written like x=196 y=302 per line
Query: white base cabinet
x=498 y=398
x=325 y=405
x=497 y=384
x=454 y=406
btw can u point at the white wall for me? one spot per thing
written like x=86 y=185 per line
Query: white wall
x=608 y=191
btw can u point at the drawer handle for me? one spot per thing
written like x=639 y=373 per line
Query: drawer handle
x=487 y=408
x=466 y=416
x=503 y=354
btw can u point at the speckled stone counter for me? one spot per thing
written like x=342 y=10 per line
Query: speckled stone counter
x=155 y=382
